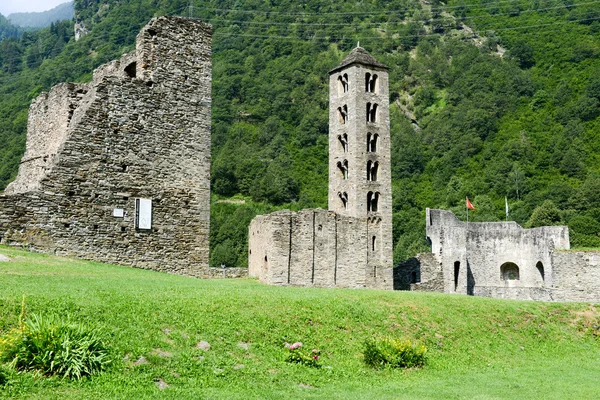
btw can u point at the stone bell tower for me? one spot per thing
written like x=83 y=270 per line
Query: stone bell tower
x=359 y=151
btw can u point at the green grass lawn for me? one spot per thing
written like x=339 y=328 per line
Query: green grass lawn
x=478 y=348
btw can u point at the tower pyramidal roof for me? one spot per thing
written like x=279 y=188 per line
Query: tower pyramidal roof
x=359 y=56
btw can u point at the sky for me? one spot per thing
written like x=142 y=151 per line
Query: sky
x=12 y=6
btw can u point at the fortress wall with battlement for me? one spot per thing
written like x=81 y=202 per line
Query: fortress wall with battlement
x=120 y=169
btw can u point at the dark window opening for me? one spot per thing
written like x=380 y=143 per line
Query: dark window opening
x=130 y=70
x=372 y=200
x=343 y=168
x=372 y=168
x=70 y=193
x=67 y=225
x=123 y=229
x=344 y=142
x=342 y=84
x=344 y=197
x=373 y=243
x=371 y=112
x=456 y=273
x=125 y=198
x=372 y=142
x=265 y=258
x=540 y=268
x=95 y=226
x=370 y=83
x=413 y=277
x=343 y=114
x=509 y=271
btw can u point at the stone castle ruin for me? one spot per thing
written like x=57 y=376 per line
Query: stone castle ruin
x=351 y=244
x=117 y=170
x=501 y=259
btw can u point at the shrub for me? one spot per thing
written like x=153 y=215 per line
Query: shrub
x=54 y=347
x=395 y=353
x=300 y=356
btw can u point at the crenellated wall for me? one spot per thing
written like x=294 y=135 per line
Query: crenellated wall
x=139 y=130
x=502 y=260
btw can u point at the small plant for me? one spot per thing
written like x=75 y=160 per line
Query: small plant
x=3 y=376
x=54 y=347
x=395 y=353
x=301 y=356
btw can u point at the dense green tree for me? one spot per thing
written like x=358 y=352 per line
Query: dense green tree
x=545 y=214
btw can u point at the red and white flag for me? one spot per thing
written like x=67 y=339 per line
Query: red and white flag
x=469 y=205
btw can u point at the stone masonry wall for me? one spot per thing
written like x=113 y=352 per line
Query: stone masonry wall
x=576 y=276
x=468 y=259
x=140 y=129
x=312 y=247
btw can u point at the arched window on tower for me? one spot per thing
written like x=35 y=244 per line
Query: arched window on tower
x=370 y=83
x=344 y=198
x=342 y=84
x=343 y=114
x=371 y=112
x=343 y=168
x=372 y=142
x=372 y=200
x=343 y=139
x=372 y=168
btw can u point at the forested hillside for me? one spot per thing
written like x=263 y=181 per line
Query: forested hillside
x=7 y=29
x=490 y=99
x=43 y=19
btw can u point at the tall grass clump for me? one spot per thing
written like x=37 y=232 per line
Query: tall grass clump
x=54 y=348
x=394 y=353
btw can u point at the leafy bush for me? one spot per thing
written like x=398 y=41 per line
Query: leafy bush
x=54 y=347
x=300 y=356
x=395 y=353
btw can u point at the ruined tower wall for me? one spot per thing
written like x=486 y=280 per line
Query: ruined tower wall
x=311 y=248
x=47 y=128
x=141 y=131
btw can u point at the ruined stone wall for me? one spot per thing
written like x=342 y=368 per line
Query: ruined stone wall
x=576 y=276
x=47 y=128
x=470 y=259
x=313 y=248
x=141 y=129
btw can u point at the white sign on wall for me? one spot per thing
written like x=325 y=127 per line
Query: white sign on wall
x=143 y=213
x=118 y=212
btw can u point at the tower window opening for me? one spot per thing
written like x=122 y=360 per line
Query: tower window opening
x=372 y=200
x=372 y=142
x=130 y=70
x=344 y=197
x=456 y=274
x=370 y=83
x=342 y=84
x=373 y=243
x=343 y=168
x=343 y=114
x=371 y=112
x=372 y=168
x=343 y=139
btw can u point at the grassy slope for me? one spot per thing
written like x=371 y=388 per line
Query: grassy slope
x=478 y=348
